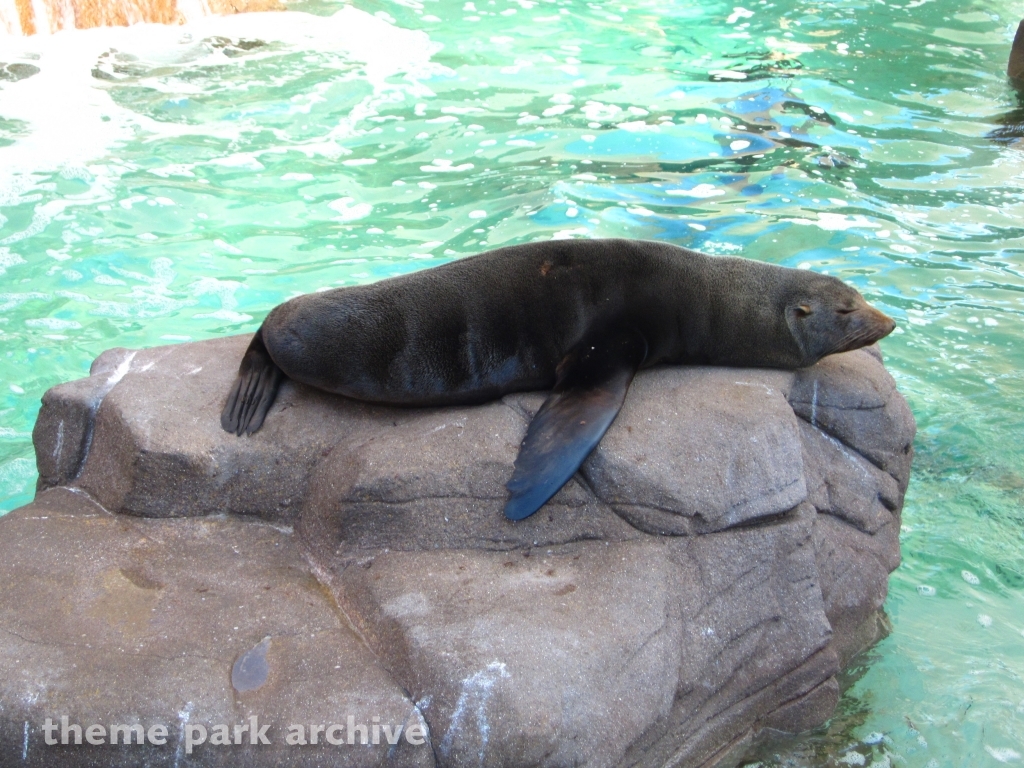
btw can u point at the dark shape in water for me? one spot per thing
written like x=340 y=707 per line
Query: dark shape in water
x=234 y=48
x=1012 y=123
x=1011 y=128
x=1015 y=66
x=17 y=71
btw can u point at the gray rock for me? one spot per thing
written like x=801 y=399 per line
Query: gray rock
x=579 y=654
x=852 y=398
x=697 y=450
x=108 y=619
x=720 y=556
x=156 y=449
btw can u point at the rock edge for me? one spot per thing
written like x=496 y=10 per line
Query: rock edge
x=721 y=555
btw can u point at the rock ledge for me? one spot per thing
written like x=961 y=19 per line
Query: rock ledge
x=721 y=555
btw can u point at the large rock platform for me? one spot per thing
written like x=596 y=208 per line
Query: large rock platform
x=721 y=555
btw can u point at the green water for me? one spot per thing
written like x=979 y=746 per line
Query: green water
x=179 y=187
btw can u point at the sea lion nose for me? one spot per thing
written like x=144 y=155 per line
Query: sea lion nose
x=882 y=323
x=887 y=322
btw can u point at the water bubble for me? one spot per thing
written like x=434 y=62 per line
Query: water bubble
x=925 y=590
x=970 y=578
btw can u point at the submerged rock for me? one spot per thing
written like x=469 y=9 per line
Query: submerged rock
x=721 y=555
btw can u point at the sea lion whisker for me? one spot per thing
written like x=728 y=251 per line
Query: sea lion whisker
x=855 y=339
x=849 y=339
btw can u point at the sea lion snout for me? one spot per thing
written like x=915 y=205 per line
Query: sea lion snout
x=873 y=324
x=863 y=326
x=883 y=324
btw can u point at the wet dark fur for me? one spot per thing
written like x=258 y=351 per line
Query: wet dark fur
x=517 y=319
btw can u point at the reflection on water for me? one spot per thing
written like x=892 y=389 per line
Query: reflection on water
x=170 y=183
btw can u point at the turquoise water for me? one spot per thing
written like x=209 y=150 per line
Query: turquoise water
x=170 y=184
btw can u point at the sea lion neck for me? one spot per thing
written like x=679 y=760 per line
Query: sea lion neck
x=743 y=322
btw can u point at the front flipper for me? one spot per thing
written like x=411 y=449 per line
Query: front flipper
x=591 y=385
x=254 y=391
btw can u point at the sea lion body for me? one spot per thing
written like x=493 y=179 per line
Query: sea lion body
x=576 y=316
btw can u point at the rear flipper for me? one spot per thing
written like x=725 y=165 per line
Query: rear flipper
x=254 y=391
x=591 y=385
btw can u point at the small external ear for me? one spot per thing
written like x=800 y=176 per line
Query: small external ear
x=803 y=310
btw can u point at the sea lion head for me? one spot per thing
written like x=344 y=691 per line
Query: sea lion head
x=827 y=316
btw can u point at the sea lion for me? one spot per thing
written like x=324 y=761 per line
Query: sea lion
x=577 y=317
x=1015 y=64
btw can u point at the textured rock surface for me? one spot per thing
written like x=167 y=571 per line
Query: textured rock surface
x=719 y=557
x=108 y=619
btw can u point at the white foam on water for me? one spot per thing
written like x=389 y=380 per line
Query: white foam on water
x=72 y=121
x=349 y=210
x=836 y=222
x=8 y=259
x=1003 y=754
x=700 y=191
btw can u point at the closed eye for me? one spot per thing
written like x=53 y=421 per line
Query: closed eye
x=845 y=311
